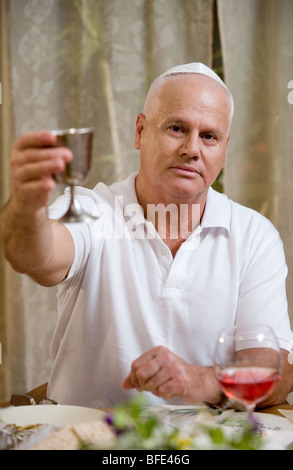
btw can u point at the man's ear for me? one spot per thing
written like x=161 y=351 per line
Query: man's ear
x=140 y=122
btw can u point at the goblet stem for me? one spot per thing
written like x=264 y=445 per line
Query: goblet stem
x=75 y=214
x=74 y=206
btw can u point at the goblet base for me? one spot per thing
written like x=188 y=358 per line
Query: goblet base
x=71 y=218
x=75 y=214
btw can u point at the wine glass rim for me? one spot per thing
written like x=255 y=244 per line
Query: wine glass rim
x=73 y=130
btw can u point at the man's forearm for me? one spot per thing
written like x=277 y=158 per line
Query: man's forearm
x=284 y=385
x=26 y=238
x=36 y=245
x=32 y=243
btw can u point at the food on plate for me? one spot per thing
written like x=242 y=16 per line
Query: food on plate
x=72 y=436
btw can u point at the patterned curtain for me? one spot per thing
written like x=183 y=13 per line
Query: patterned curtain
x=257 y=38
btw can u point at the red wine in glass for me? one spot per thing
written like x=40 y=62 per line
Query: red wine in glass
x=248 y=385
x=248 y=363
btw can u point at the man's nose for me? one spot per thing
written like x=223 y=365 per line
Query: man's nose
x=190 y=148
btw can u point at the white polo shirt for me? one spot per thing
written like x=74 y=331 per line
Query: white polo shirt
x=125 y=293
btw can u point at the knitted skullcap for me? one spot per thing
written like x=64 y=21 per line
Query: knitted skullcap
x=202 y=69
x=195 y=67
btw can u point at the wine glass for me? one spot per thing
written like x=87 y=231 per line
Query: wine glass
x=248 y=363
x=80 y=142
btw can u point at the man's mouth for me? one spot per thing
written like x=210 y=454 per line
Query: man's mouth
x=185 y=170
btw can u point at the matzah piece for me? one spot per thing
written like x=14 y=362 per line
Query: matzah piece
x=70 y=437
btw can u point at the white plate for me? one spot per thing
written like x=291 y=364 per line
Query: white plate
x=58 y=415
x=267 y=421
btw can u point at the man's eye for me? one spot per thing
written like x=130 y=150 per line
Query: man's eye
x=176 y=129
x=209 y=137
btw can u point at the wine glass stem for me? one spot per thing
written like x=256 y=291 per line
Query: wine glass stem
x=250 y=409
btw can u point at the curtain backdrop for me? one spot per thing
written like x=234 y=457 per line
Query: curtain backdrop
x=257 y=41
x=79 y=63
x=82 y=63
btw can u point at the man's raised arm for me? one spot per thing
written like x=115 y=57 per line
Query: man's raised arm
x=32 y=243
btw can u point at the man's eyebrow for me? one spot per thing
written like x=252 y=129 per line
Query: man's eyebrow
x=209 y=128
x=175 y=120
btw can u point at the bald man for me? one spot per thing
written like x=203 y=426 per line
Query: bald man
x=144 y=292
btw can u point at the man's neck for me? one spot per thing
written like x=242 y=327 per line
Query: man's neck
x=174 y=222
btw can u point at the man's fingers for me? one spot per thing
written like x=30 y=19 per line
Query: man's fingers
x=149 y=371
x=142 y=369
x=35 y=156
x=38 y=169
x=35 y=162
x=127 y=383
x=35 y=139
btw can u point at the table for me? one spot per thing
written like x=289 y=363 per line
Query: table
x=186 y=421
x=274 y=409
x=271 y=410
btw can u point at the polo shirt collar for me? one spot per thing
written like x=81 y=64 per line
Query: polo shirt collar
x=129 y=202
x=217 y=211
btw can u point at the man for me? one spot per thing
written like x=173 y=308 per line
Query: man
x=143 y=311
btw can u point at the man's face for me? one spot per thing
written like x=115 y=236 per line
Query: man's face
x=182 y=140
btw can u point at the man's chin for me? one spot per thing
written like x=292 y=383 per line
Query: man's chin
x=184 y=192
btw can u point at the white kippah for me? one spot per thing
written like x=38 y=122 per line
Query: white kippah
x=198 y=67
x=195 y=67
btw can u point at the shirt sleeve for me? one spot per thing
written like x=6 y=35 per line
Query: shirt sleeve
x=262 y=292
x=80 y=232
